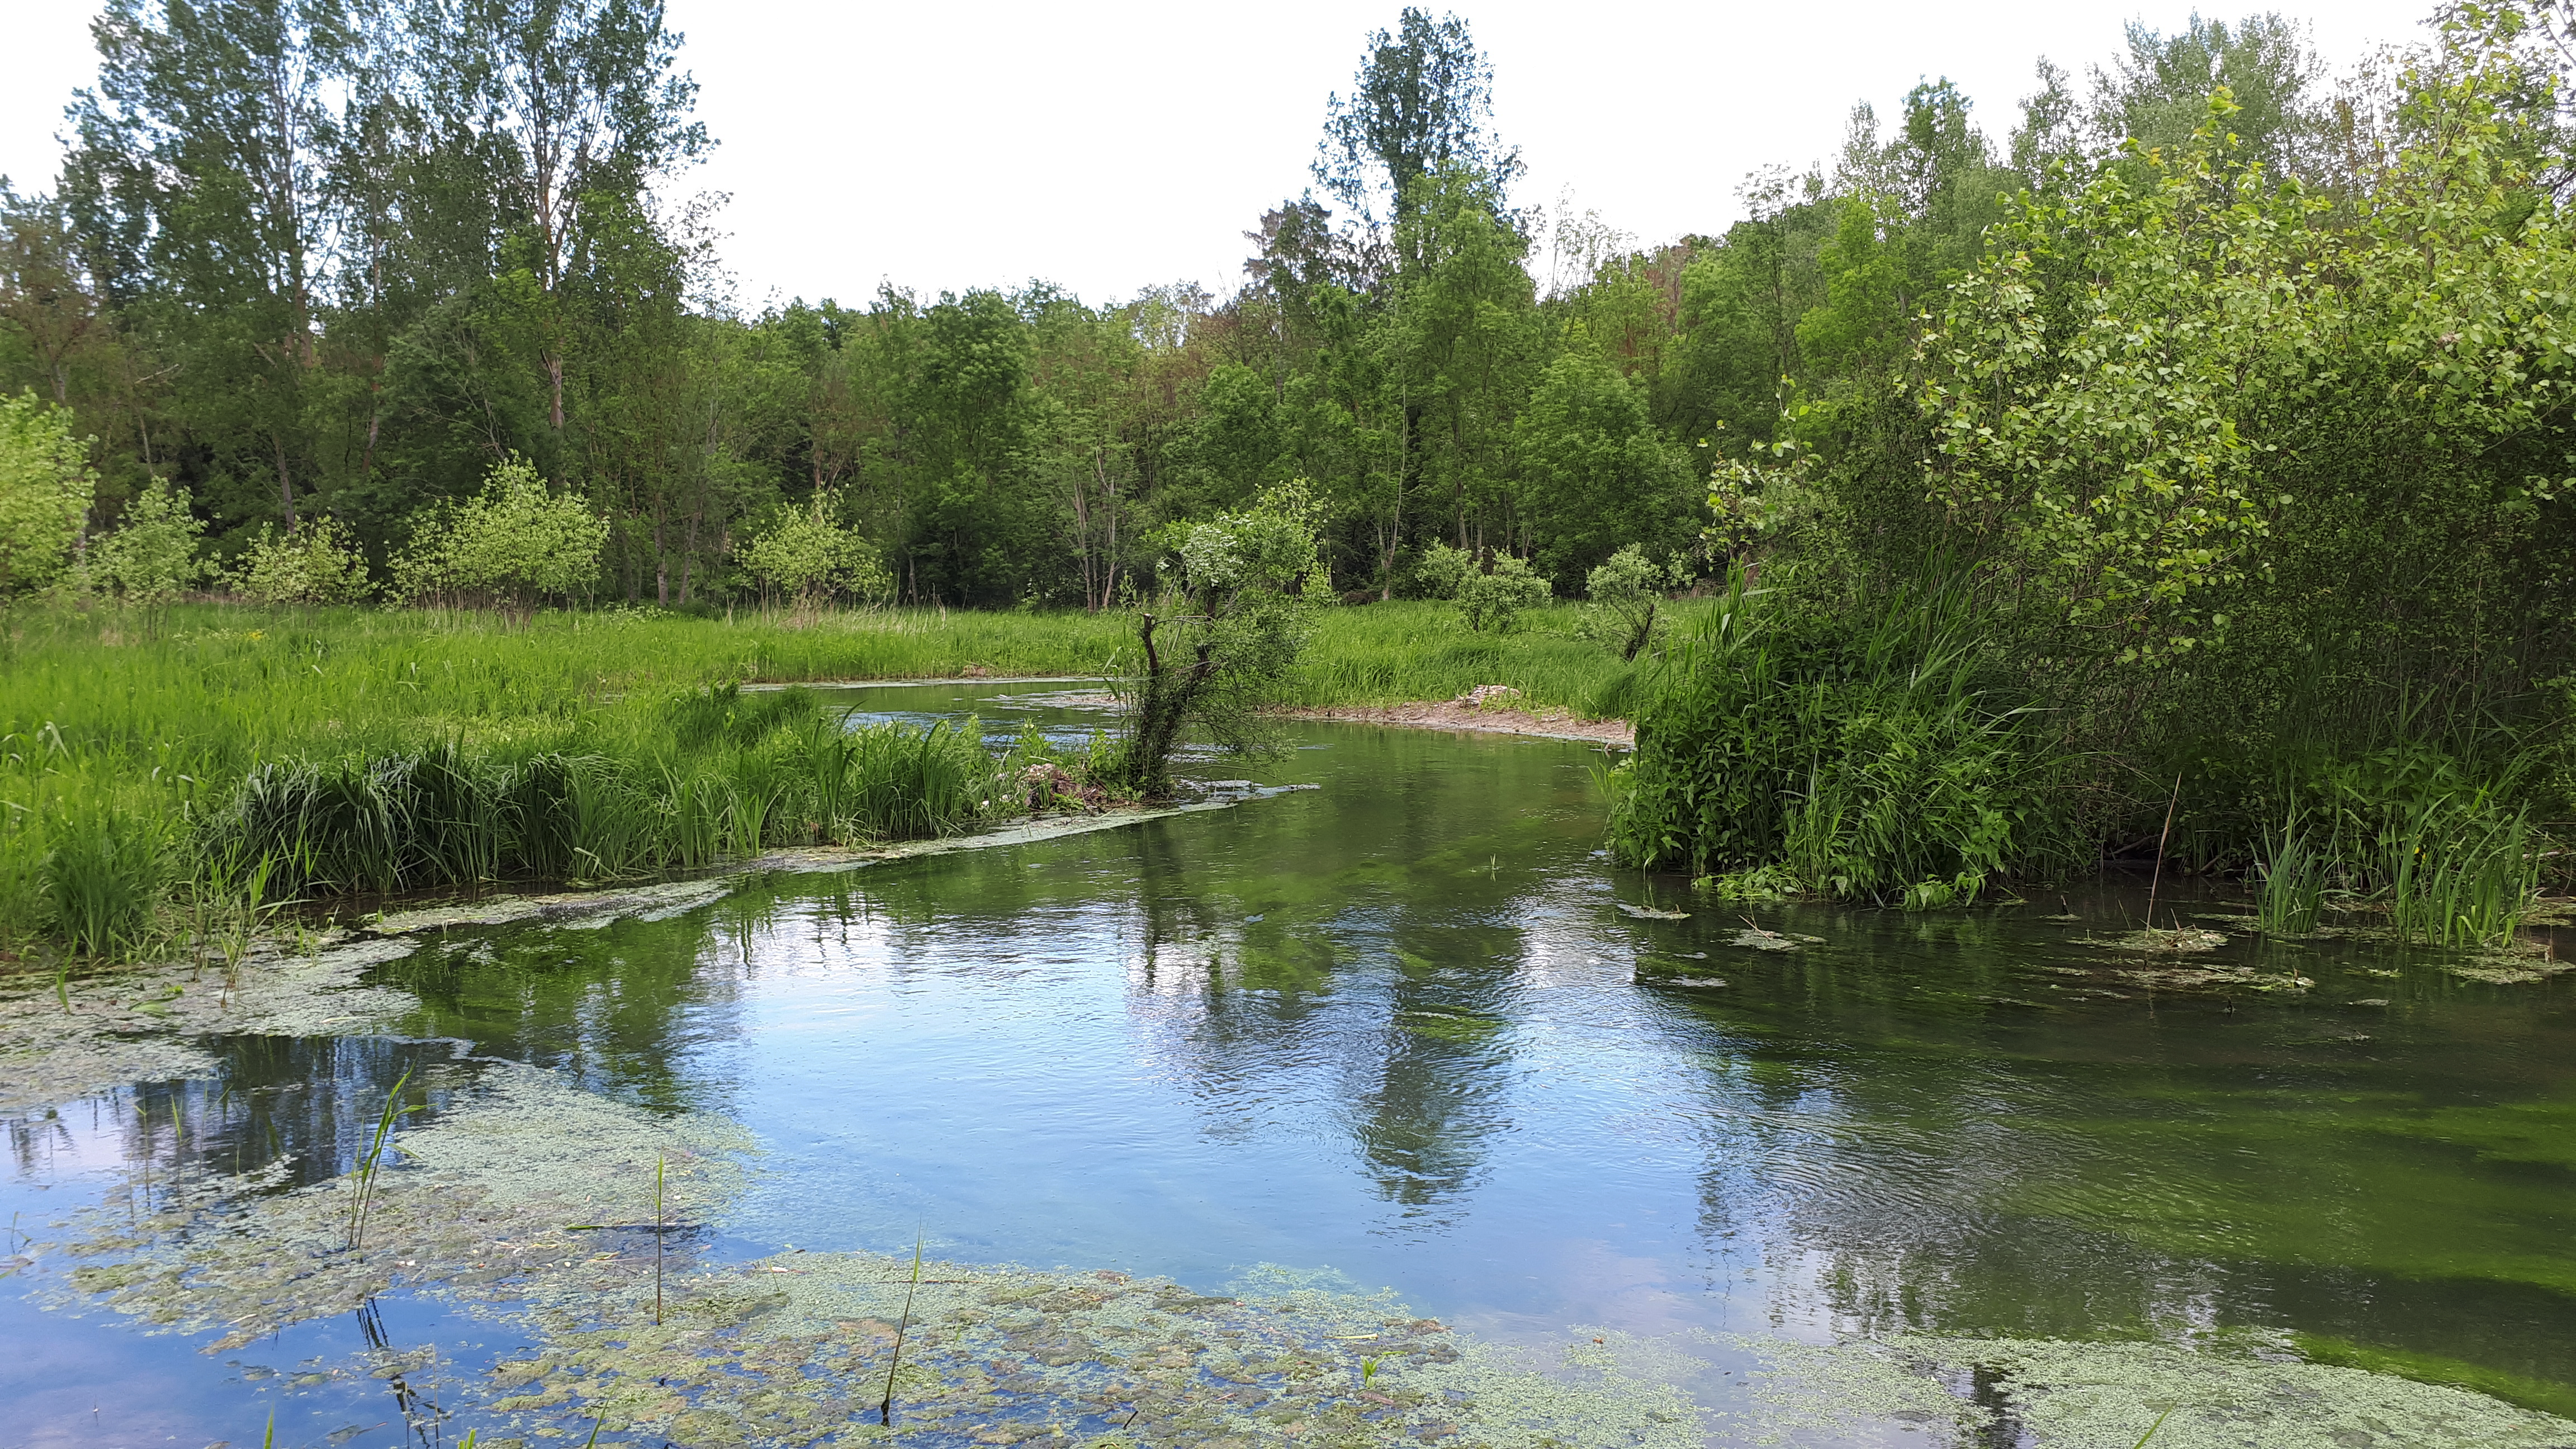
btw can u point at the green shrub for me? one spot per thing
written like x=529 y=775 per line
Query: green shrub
x=46 y=484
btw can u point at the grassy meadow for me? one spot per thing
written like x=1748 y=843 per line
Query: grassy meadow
x=157 y=783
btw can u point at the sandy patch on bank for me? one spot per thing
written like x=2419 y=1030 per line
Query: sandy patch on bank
x=1450 y=714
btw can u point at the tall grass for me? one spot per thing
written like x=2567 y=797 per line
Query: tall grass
x=2291 y=880
x=1866 y=754
x=2453 y=858
x=354 y=750
x=1397 y=652
x=733 y=774
x=343 y=750
x=2442 y=844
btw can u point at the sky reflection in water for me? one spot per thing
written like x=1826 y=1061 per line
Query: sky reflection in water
x=1396 y=1028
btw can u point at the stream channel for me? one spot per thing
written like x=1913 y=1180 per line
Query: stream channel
x=1383 y=1110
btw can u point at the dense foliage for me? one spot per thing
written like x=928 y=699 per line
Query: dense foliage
x=2199 y=447
x=441 y=242
x=2250 y=476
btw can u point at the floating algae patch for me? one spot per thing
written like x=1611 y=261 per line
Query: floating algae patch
x=802 y=1348
x=2153 y=942
x=654 y=902
x=2209 y=977
x=533 y=1201
x=1754 y=938
x=523 y=1179
x=2251 y=1396
x=1467 y=1028
x=84 y=1036
x=2245 y=1392
x=2510 y=966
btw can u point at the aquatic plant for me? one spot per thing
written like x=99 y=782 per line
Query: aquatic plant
x=904 y=782
x=2292 y=881
x=446 y=816
x=373 y=1158
x=2440 y=842
x=903 y=1323
x=1867 y=754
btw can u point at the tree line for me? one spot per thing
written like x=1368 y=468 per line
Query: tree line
x=341 y=261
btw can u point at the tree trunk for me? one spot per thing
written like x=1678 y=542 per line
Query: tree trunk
x=1162 y=706
x=285 y=482
x=688 y=556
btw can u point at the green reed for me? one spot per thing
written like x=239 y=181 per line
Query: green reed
x=2292 y=881
x=885 y=1406
x=103 y=874
x=1868 y=753
x=905 y=783
x=2438 y=844
x=373 y=1158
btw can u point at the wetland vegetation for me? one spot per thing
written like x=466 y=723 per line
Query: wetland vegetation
x=449 y=868
x=2173 y=471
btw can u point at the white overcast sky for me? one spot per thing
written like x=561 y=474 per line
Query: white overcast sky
x=1109 y=147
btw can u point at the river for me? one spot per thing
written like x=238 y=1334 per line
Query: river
x=1756 y=1172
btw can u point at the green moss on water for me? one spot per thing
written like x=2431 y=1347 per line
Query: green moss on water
x=2243 y=1180
x=491 y=1205
x=2425 y=1368
x=1466 y=1028
x=2224 y=1395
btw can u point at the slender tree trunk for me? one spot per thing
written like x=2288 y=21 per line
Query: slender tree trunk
x=1109 y=574
x=285 y=482
x=689 y=553
x=1163 y=703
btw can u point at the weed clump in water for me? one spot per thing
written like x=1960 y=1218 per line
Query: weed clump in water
x=1869 y=758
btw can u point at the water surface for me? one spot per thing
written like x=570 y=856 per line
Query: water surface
x=1398 y=1030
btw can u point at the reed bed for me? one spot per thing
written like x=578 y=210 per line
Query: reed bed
x=147 y=783
x=2448 y=854
x=771 y=769
x=1868 y=755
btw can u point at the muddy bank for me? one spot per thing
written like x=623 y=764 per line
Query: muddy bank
x=1452 y=714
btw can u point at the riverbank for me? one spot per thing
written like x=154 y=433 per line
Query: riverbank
x=120 y=741
x=67 y=1036
x=1469 y=718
